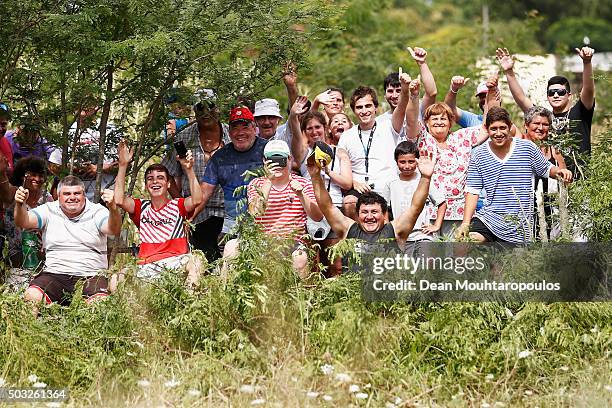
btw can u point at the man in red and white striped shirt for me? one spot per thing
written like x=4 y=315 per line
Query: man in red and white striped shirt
x=281 y=201
x=160 y=220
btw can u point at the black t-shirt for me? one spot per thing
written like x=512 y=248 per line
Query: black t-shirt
x=576 y=122
x=370 y=245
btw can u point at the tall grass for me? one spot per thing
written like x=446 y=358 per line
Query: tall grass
x=261 y=334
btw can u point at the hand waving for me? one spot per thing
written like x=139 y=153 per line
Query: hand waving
x=504 y=58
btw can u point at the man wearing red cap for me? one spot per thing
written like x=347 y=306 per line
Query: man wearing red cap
x=228 y=165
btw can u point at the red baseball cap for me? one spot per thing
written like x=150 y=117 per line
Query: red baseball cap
x=241 y=114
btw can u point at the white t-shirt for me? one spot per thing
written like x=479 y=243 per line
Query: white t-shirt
x=382 y=167
x=399 y=193
x=283 y=132
x=73 y=246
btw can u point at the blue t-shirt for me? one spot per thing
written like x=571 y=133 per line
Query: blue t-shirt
x=227 y=167
x=469 y=119
x=508 y=208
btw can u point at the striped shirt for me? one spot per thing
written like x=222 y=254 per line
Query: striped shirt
x=284 y=213
x=508 y=207
x=162 y=231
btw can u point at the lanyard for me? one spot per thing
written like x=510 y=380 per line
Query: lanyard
x=366 y=151
x=331 y=169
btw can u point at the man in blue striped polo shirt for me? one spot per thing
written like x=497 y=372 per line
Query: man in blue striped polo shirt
x=505 y=167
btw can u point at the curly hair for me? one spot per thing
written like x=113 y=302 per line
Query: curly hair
x=29 y=164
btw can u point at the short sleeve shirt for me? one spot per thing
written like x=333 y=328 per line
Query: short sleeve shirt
x=228 y=168
x=191 y=137
x=73 y=246
x=451 y=167
x=380 y=165
x=284 y=213
x=509 y=184
x=399 y=193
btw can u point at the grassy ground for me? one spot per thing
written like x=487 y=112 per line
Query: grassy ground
x=261 y=338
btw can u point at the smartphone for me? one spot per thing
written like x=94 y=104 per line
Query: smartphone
x=280 y=161
x=180 y=148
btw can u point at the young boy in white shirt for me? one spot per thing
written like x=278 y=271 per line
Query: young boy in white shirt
x=399 y=191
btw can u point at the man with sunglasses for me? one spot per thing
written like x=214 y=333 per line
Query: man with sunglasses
x=204 y=138
x=574 y=120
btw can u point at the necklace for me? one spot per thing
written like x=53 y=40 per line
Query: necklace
x=213 y=150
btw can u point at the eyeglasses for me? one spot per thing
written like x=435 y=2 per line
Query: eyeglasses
x=560 y=92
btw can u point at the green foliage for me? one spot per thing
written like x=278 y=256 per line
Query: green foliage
x=567 y=34
x=592 y=195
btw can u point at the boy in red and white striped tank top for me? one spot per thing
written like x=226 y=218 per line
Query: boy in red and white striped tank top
x=160 y=220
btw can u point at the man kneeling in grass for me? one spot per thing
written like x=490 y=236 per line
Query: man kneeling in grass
x=74 y=233
x=160 y=220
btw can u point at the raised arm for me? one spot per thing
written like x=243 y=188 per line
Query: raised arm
x=429 y=84
x=23 y=218
x=399 y=114
x=404 y=224
x=507 y=63
x=290 y=79
x=339 y=223
x=412 y=110
x=457 y=82
x=587 y=93
x=125 y=157
x=299 y=144
x=195 y=199
x=112 y=226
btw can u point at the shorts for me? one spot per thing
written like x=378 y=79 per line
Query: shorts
x=153 y=270
x=58 y=287
x=478 y=226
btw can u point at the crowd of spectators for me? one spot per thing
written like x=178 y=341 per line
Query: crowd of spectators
x=403 y=175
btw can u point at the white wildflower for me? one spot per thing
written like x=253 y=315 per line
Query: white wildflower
x=354 y=388
x=294 y=379
x=327 y=369
x=542 y=331
x=508 y=312
x=171 y=383
x=39 y=384
x=343 y=377
x=32 y=378
x=397 y=401
x=327 y=398
x=489 y=377
x=143 y=383
x=361 y=395
x=129 y=353
x=524 y=354
x=258 y=401
x=595 y=329
x=194 y=393
x=608 y=388
x=368 y=385
x=312 y=394
x=485 y=405
x=564 y=368
x=247 y=389
x=528 y=393
x=240 y=346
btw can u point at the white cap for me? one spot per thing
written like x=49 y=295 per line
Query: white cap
x=276 y=148
x=267 y=107
x=56 y=156
x=481 y=88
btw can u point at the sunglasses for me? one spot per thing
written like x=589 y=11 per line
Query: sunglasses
x=560 y=92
